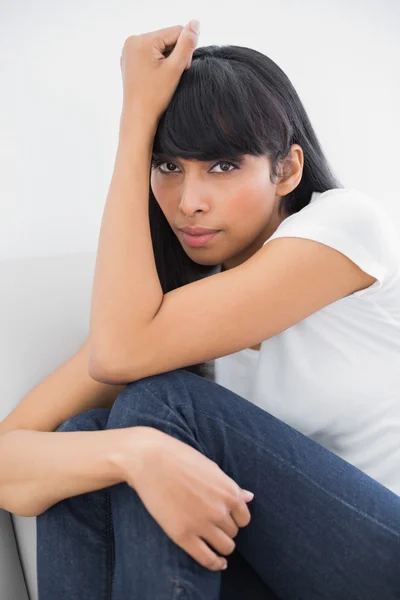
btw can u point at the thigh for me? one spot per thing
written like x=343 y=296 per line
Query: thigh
x=320 y=527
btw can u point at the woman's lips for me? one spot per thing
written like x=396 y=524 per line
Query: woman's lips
x=198 y=240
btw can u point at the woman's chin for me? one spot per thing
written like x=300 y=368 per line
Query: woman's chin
x=203 y=261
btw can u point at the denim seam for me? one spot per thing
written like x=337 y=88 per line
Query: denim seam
x=177 y=588
x=110 y=547
x=243 y=435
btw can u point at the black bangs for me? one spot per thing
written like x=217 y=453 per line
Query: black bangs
x=218 y=111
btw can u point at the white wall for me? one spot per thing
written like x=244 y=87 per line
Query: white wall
x=61 y=87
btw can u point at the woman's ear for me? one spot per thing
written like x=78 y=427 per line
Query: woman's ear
x=292 y=171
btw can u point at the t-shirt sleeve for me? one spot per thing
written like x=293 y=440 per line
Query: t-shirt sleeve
x=353 y=223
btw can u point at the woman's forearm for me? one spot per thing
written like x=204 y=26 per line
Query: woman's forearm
x=125 y=258
x=38 y=469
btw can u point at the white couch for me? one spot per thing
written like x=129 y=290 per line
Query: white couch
x=44 y=319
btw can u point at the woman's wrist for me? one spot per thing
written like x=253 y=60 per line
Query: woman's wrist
x=133 y=122
x=129 y=458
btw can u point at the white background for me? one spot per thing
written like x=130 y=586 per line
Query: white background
x=61 y=90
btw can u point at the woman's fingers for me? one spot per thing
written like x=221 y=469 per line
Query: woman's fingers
x=219 y=541
x=168 y=35
x=216 y=540
x=203 y=554
x=216 y=543
x=240 y=513
x=228 y=525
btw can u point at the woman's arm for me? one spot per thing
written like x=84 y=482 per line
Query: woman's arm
x=38 y=469
x=66 y=392
x=38 y=466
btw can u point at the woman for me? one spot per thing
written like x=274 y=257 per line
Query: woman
x=297 y=305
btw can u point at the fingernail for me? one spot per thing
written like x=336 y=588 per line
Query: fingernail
x=249 y=495
x=224 y=566
x=195 y=26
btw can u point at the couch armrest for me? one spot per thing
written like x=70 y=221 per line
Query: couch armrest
x=12 y=582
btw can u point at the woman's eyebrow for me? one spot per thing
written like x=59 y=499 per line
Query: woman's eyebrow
x=166 y=157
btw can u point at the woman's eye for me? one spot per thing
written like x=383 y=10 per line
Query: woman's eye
x=158 y=164
x=169 y=164
x=225 y=163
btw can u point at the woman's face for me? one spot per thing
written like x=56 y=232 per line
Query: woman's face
x=236 y=198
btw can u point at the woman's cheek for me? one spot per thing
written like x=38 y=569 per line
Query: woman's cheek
x=245 y=205
x=154 y=186
x=165 y=206
x=157 y=191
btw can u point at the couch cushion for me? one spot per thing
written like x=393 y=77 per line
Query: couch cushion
x=44 y=319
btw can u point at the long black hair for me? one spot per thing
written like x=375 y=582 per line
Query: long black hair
x=232 y=101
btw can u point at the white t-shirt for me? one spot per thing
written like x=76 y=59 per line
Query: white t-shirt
x=335 y=376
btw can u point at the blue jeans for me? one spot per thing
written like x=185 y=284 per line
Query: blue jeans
x=320 y=528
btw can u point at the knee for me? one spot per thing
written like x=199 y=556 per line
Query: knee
x=90 y=420
x=144 y=400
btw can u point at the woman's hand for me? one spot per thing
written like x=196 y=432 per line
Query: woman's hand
x=151 y=65
x=191 y=498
